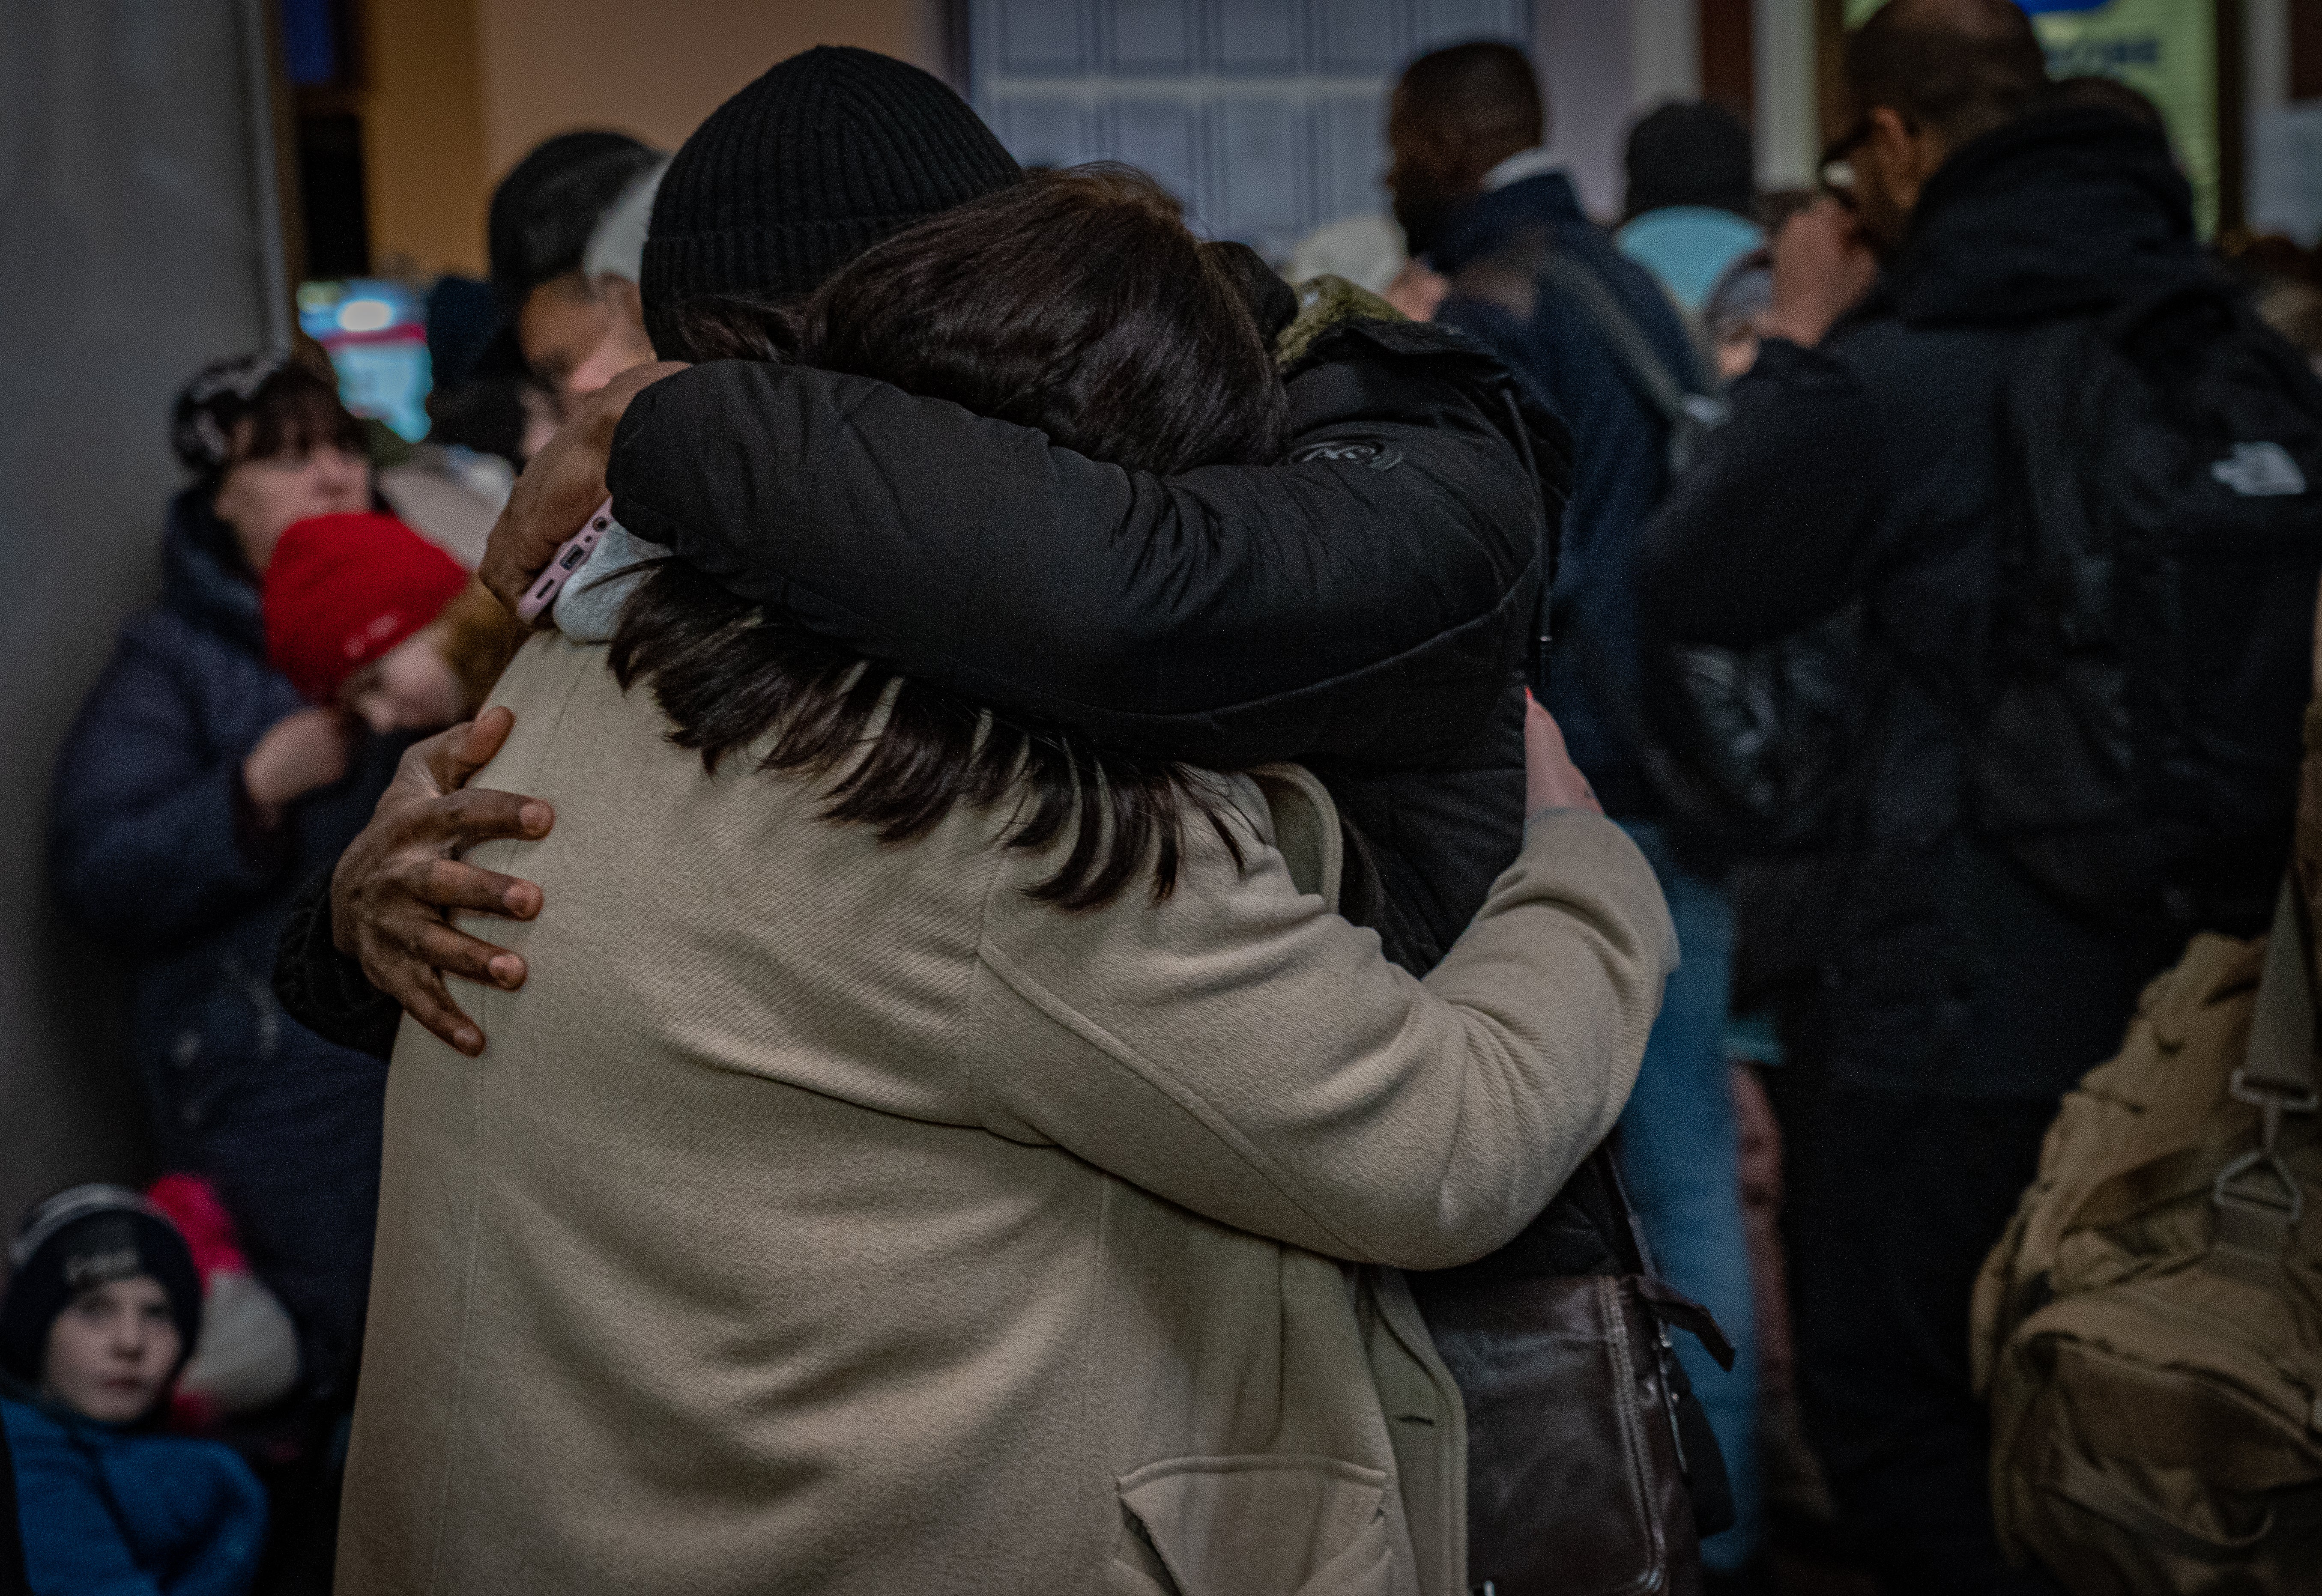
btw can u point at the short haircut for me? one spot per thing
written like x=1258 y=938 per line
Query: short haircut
x=545 y=208
x=1475 y=104
x=1960 y=66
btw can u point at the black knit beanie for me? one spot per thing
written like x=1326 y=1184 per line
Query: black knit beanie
x=801 y=171
x=86 y=1237
x=545 y=208
x=1691 y=154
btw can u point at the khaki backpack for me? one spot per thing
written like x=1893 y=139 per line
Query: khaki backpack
x=2149 y=1331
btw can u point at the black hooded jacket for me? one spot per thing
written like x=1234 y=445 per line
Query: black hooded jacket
x=1873 y=469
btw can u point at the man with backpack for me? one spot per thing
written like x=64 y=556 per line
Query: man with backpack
x=1533 y=278
x=2062 y=475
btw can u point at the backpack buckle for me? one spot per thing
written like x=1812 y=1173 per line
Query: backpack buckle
x=2272 y=1102
x=2275 y=1196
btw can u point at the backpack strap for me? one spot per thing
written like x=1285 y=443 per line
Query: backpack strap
x=2257 y=1196
x=1643 y=363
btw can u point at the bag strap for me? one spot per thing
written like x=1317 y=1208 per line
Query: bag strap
x=2257 y=1196
x=1647 y=372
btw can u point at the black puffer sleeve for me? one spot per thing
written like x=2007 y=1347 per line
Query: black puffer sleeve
x=1365 y=600
x=325 y=990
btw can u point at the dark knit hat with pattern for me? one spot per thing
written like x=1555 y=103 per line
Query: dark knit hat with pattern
x=86 y=1236
x=801 y=171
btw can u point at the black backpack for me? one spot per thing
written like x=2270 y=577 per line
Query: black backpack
x=2137 y=748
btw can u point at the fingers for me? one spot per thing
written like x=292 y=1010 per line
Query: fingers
x=442 y=951
x=429 y=767
x=410 y=961
x=485 y=736
x=454 y=755
x=473 y=814
x=454 y=884
x=425 y=999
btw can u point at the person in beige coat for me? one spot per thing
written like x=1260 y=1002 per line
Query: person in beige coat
x=862 y=1195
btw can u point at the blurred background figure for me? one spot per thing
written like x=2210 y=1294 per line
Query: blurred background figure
x=1521 y=267
x=197 y=792
x=1693 y=193
x=1978 y=229
x=1365 y=250
x=103 y=1309
x=542 y=215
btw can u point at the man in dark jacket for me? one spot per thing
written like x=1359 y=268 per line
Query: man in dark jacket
x=1533 y=279
x=1954 y=1001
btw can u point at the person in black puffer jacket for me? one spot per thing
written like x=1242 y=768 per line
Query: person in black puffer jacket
x=1951 y=1000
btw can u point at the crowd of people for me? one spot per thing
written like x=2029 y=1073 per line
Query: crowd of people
x=1053 y=913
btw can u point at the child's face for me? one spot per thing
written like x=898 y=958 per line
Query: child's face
x=408 y=688
x=112 y=1350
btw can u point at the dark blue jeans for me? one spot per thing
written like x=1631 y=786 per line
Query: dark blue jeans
x=1680 y=1149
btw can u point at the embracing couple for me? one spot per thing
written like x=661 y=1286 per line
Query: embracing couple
x=970 y=1097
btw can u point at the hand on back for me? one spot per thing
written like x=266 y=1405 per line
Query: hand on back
x=397 y=884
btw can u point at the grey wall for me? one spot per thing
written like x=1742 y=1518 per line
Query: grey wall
x=134 y=246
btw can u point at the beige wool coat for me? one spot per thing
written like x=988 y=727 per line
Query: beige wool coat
x=825 y=1216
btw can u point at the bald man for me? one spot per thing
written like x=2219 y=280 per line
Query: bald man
x=1948 y=1000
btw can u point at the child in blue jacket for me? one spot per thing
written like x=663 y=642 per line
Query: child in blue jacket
x=102 y=1308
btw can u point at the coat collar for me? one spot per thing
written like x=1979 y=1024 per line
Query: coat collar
x=204 y=577
x=2055 y=214
x=1486 y=221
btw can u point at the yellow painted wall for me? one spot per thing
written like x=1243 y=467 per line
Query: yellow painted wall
x=655 y=68
x=422 y=112
x=456 y=91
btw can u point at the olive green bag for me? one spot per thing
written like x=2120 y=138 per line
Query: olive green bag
x=2149 y=1331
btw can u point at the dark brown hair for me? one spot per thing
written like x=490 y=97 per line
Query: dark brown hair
x=1463 y=109
x=295 y=413
x=1960 y=66
x=1073 y=302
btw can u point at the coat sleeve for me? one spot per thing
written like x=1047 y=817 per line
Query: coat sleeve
x=1772 y=528
x=1358 y=604
x=1243 y=1051
x=232 y=1508
x=151 y=838
x=71 y=1542
x=325 y=990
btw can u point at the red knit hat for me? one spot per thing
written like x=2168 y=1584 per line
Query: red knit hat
x=344 y=589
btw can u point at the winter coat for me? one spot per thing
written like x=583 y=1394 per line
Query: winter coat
x=1364 y=608
x=829 y=1216
x=1872 y=467
x=127 y=1513
x=153 y=850
x=1620 y=445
